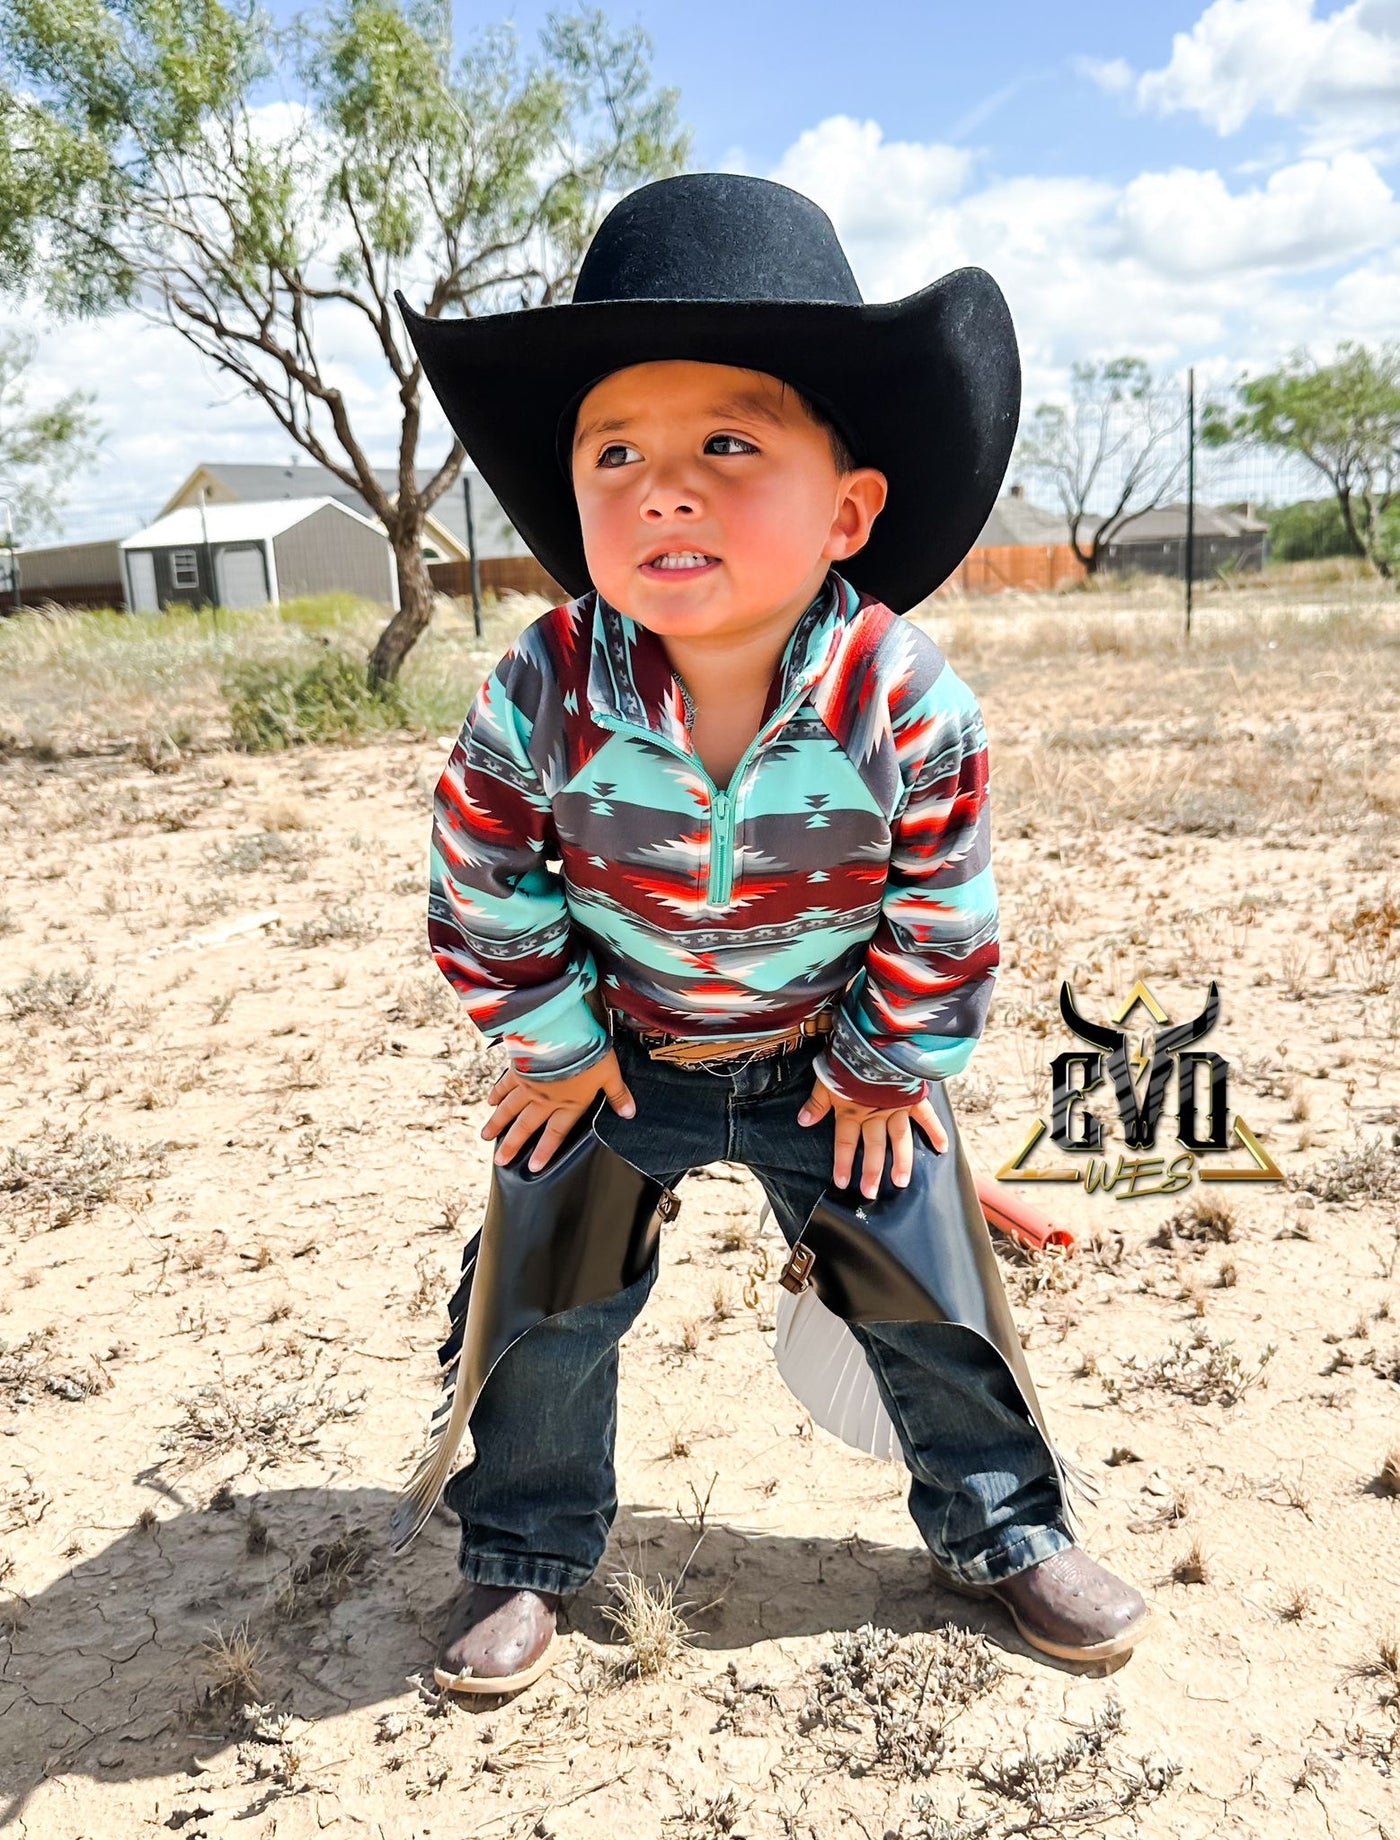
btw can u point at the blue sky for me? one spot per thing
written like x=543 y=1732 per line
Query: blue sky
x=1201 y=182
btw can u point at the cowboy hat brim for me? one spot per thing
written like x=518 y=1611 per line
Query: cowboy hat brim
x=927 y=388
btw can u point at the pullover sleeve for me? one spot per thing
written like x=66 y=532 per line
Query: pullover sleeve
x=499 y=926
x=916 y=1009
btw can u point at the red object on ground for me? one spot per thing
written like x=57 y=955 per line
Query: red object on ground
x=1019 y=1219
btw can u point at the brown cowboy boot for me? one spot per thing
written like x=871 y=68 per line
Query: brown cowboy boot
x=496 y=1639
x=1067 y=1605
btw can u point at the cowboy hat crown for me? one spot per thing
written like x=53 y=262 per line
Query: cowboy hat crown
x=728 y=269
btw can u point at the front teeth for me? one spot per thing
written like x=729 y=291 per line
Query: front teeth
x=681 y=559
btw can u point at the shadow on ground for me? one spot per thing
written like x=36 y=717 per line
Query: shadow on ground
x=107 y=1672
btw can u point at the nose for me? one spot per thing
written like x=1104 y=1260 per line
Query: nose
x=669 y=495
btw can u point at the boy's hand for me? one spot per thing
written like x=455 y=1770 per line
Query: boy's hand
x=872 y=1128
x=522 y=1106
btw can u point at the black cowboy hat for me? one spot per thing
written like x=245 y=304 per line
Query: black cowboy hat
x=734 y=270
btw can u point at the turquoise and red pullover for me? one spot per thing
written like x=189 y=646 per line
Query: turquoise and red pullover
x=578 y=845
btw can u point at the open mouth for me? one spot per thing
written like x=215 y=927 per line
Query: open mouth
x=682 y=563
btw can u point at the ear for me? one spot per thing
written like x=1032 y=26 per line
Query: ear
x=863 y=495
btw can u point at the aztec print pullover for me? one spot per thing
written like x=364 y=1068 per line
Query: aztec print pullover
x=578 y=841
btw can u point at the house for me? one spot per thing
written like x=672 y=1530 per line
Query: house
x=71 y=574
x=445 y=532
x=246 y=555
x=1021 y=546
x=1154 y=542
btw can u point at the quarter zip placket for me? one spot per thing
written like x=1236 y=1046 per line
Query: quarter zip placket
x=724 y=806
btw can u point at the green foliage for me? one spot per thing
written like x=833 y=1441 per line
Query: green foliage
x=1307 y=531
x=278 y=704
x=141 y=162
x=1342 y=417
x=40 y=449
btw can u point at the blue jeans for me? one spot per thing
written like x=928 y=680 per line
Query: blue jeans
x=538 y=1503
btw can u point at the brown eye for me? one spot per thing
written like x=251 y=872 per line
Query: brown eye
x=616 y=453
x=728 y=445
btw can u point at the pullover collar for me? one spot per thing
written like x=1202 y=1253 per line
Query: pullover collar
x=631 y=681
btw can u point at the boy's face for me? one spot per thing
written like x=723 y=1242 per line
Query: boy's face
x=710 y=501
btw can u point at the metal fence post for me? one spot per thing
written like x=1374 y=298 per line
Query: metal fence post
x=472 y=557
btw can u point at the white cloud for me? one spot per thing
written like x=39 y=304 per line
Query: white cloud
x=1113 y=75
x=1341 y=73
x=1174 y=266
x=1317 y=211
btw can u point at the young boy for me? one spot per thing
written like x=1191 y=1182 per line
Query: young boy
x=772 y=922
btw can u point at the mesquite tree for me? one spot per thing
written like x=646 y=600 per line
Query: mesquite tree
x=261 y=191
x=1343 y=418
x=40 y=448
x=1119 y=445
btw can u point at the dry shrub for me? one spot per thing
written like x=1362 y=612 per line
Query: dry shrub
x=1191 y=1567
x=1388 y=1481
x=37 y=1365
x=59 y=1178
x=1368 y=1171
x=1079 y=1782
x=232 y=1666
x=885 y=1703
x=342 y=924
x=265 y=1423
x=56 y=997
x=1201 y=1370
x=256 y=851
x=420 y=1001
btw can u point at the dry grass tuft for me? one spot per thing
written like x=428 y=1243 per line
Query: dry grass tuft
x=326 y=1576
x=1388 y=1481
x=1205 y=1220
x=233 y=1665
x=1298 y=1604
x=1191 y=1567
x=650 y=1623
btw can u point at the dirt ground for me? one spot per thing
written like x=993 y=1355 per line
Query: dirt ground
x=240 y=1172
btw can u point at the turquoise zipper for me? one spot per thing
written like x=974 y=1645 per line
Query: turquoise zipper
x=724 y=806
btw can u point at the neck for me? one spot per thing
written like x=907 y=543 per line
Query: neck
x=724 y=664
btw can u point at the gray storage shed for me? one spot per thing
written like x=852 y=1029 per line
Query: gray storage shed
x=250 y=555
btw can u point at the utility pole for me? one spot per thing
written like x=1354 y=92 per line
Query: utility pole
x=208 y=560
x=1190 y=490
x=471 y=551
x=10 y=547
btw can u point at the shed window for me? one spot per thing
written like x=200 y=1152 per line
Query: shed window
x=184 y=566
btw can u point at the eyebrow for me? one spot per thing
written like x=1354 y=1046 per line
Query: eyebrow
x=744 y=403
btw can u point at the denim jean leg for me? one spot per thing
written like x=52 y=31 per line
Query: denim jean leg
x=982 y=1488
x=540 y=1499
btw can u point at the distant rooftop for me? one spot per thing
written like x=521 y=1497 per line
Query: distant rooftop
x=261 y=481
x=240 y=523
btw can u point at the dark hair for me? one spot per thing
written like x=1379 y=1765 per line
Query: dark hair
x=841 y=451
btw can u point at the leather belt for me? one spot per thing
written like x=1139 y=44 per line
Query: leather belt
x=691 y=1050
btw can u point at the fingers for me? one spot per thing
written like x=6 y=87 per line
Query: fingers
x=554 y=1133
x=507 y=1108
x=817 y=1104
x=618 y=1097
x=927 y=1119
x=873 y=1137
x=847 y=1137
x=902 y=1145
x=527 y=1121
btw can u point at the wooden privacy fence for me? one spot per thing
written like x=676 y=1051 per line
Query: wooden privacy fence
x=499 y=575
x=1023 y=566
